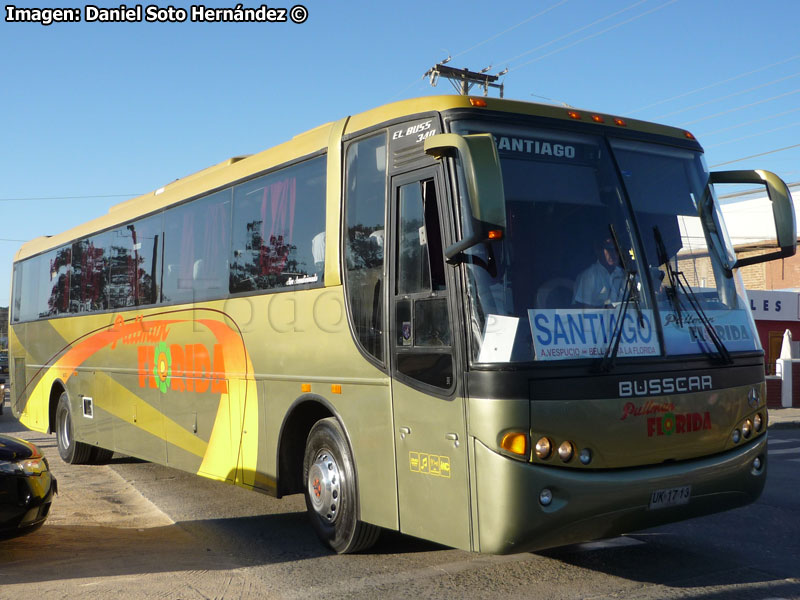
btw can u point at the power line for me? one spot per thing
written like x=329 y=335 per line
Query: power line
x=588 y=37
x=711 y=85
x=755 y=156
x=494 y=37
x=762 y=119
x=730 y=110
x=747 y=137
x=573 y=32
x=68 y=198
x=752 y=89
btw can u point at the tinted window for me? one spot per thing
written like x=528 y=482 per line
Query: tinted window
x=279 y=229
x=365 y=218
x=196 y=247
x=89 y=274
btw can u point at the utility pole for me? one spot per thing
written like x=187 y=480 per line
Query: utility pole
x=464 y=79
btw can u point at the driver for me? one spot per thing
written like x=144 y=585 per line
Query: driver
x=602 y=282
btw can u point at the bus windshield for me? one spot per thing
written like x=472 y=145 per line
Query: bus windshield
x=611 y=244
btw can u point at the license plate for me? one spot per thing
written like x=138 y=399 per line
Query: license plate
x=670 y=497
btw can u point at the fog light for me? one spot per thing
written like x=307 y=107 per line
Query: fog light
x=747 y=428
x=585 y=456
x=737 y=435
x=757 y=463
x=758 y=422
x=544 y=448
x=565 y=451
x=545 y=497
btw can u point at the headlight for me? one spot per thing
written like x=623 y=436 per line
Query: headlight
x=28 y=466
x=543 y=448
x=565 y=451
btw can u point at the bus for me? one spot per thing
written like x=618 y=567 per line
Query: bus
x=497 y=325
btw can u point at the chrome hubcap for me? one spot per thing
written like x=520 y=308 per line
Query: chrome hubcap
x=324 y=485
x=65 y=430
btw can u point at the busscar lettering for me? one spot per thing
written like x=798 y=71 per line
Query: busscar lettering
x=658 y=386
x=42 y=16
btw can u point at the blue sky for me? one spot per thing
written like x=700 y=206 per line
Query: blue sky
x=94 y=113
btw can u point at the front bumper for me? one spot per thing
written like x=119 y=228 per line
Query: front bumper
x=589 y=505
x=25 y=502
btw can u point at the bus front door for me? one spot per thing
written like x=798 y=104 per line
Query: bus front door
x=430 y=431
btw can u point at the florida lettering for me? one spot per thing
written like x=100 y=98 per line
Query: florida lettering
x=671 y=423
x=188 y=368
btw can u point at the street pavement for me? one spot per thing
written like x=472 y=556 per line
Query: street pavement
x=784 y=418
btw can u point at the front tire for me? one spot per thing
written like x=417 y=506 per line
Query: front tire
x=329 y=480
x=71 y=450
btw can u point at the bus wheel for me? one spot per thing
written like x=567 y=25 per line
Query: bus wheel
x=329 y=480
x=71 y=450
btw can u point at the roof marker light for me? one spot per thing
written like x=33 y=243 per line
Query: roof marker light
x=598 y=119
x=480 y=102
x=688 y=135
x=620 y=122
x=574 y=115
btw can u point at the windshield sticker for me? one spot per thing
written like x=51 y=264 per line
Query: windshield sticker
x=498 y=339
x=564 y=334
x=688 y=335
x=544 y=149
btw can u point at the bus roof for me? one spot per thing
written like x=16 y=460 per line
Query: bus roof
x=310 y=142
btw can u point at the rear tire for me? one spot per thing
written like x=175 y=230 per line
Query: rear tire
x=329 y=480
x=71 y=450
x=100 y=456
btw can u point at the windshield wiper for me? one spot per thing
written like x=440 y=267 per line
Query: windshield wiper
x=629 y=294
x=675 y=283
x=672 y=276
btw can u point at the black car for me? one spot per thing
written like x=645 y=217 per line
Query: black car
x=26 y=487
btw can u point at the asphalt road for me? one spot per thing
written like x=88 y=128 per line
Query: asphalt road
x=136 y=530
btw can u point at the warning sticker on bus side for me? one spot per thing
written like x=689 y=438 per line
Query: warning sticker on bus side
x=429 y=464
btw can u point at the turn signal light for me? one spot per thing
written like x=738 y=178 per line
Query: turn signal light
x=496 y=234
x=515 y=442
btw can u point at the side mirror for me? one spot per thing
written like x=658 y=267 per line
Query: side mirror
x=782 y=211
x=484 y=181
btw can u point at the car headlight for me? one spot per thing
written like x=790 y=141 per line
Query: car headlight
x=27 y=466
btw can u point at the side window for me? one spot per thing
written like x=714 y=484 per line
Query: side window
x=422 y=323
x=196 y=248
x=279 y=229
x=55 y=300
x=365 y=224
x=90 y=274
x=133 y=252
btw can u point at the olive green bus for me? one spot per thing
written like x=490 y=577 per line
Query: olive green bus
x=497 y=325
